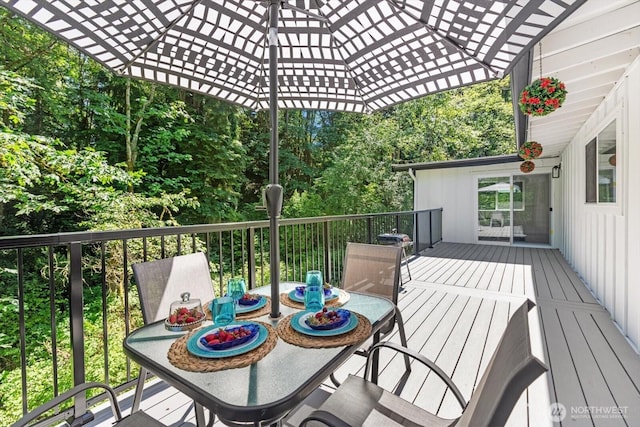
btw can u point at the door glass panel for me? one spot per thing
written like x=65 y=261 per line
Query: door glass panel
x=494 y=204
x=531 y=214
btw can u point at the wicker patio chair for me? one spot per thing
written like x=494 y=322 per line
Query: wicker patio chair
x=160 y=283
x=136 y=419
x=512 y=368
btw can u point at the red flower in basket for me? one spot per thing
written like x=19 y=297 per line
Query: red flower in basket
x=542 y=97
x=530 y=150
x=527 y=166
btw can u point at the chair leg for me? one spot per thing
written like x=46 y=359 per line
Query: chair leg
x=137 y=398
x=201 y=420
x=334 y=380
x=406 y=262
x=403 y=337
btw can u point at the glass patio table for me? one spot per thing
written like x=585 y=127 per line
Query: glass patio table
x=267 y=390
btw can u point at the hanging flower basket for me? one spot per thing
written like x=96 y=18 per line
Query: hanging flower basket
x=542 y=97
x=527 y=166
x=530 y=150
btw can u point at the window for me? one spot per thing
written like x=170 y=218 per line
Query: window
x=600 y=156
x=495 y=195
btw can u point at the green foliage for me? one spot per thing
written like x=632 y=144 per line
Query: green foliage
x=464 y=123
x=40 y=351
x=215 y=171
x=15 y=99
x=42 y=182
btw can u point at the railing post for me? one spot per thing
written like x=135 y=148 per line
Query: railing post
x=430 y=229
x=416 y=234
x=251 y=260
x=369 y=230
x=76 y=304
x=327 y=253
x=440 y=225
x=22 y=329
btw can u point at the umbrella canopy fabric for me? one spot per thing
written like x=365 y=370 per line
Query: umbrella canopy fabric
x=348 y=55
x=500 y=187
x=357 y=55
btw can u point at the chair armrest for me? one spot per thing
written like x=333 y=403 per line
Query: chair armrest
x=35 y=413
x=327 y=418
x=422 y=359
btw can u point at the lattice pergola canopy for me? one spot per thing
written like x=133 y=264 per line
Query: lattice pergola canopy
x=358 y=55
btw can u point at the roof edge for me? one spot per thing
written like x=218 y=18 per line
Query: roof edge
x=458 y=163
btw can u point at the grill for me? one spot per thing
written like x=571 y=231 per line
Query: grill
x=397 y=239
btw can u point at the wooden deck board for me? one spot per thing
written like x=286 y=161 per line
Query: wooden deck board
x=620 y=381
x=570 y=278
x=594 y=386
x=463 y=268
x=466 y=372
x=455 y=310
x=567 y=388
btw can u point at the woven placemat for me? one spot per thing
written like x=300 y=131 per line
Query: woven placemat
x=343 y=298
x=181 y=358
x=266 y=309
x=290 y=335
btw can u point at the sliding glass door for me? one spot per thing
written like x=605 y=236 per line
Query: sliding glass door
x=514 y=209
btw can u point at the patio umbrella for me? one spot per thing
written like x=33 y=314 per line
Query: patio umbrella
x=358 y=55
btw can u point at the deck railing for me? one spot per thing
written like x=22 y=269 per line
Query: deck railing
x=84 y=283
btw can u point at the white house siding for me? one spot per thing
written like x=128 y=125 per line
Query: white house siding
x=602 y=242
x=454 y=190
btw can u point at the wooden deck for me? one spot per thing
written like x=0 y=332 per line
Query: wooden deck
x=455 y=310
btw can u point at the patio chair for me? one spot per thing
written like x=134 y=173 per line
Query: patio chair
x=136 y=419
x=160 y=283
x=375 y=270
x=512 y=368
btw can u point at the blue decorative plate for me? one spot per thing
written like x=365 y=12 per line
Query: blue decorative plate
x=297 y=297
x=298 y=323
x=250 y=301
x=343 y=316
x=240 y=308
x=195 y=347
x=250 y=330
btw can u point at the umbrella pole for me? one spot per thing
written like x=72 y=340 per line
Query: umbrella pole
x=274 y=190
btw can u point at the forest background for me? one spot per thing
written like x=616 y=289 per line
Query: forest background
x=84 y=149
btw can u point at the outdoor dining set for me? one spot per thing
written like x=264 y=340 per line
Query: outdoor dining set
x=234 y=358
